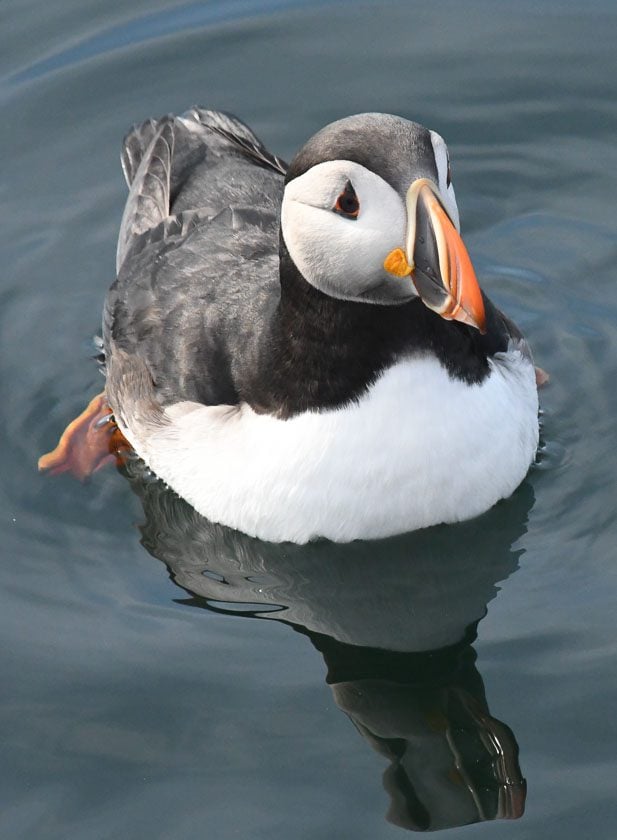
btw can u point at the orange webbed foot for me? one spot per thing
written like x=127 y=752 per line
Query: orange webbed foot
x=88 y=443
x=542 y=377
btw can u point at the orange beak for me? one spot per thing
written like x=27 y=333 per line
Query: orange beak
x=437 y=259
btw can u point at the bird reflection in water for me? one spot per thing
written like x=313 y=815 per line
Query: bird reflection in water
x=395 y=622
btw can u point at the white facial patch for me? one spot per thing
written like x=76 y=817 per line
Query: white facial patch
x=447 y=190
x=344 y=257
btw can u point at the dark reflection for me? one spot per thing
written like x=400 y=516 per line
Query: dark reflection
x=395 y=621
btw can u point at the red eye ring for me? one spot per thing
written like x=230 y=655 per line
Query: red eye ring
x=347 y=204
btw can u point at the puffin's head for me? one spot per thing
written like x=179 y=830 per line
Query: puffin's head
x=369 y=214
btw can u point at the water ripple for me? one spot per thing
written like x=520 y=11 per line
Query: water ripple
x=153 y=26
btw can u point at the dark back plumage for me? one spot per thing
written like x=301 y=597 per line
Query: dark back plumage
x=197 y=255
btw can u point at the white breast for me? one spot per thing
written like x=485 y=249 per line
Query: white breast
x=418 y=449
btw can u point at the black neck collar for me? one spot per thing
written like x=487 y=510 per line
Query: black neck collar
x=324 y=353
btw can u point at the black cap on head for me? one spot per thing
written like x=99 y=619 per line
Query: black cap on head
x=396 y=149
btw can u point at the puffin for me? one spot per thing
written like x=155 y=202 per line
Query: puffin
x=303 y=351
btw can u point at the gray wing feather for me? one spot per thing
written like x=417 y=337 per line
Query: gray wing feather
x=162 y=157
x=149 y=197
x=514 y=336
x=197 y=259
x=134 y=147
x=237 y=134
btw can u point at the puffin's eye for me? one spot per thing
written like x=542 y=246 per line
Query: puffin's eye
x=347 y=203
x=448 y=175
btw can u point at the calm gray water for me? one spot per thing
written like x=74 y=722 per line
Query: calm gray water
x=148 y=700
